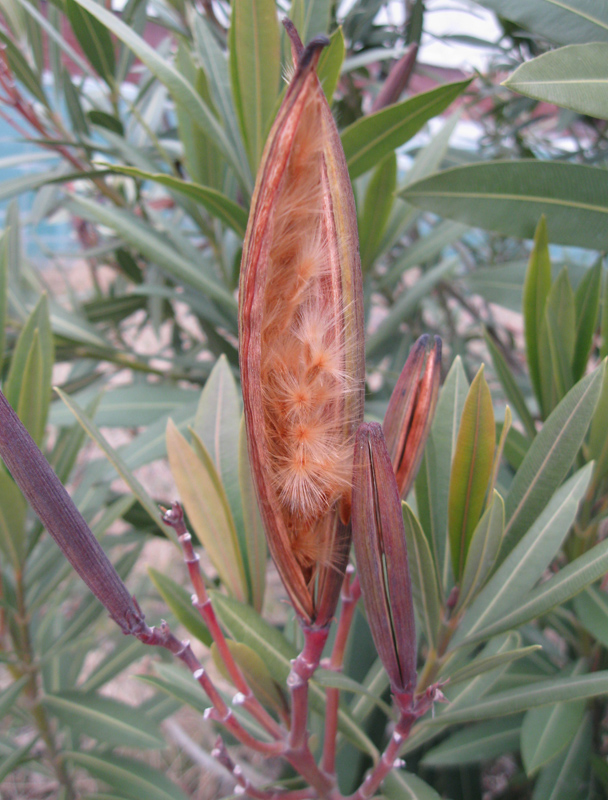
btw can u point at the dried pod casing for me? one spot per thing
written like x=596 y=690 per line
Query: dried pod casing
x=301 y=340
x=382 y=562
x=410 y=411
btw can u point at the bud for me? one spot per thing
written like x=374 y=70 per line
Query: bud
x=49 y=499
x=410 y=411
x=382 y=563
x=397 y=80
x=301 y=341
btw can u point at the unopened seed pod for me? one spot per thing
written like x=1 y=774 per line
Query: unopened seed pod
x=301 y=341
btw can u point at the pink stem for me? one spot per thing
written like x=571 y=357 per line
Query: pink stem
x=201 y=600
x=351 y=592
x=221 y=754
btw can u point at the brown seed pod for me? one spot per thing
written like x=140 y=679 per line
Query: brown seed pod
x=301 y=339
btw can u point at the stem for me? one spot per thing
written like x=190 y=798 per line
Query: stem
x=389 y=758
x=200 y=600
x=38 y=711
x=351 y=592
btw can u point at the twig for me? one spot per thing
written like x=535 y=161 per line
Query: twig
x=351 y=592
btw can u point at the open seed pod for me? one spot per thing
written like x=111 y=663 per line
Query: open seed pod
x=301 y=342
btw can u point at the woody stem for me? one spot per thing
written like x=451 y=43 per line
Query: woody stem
x=351 y=592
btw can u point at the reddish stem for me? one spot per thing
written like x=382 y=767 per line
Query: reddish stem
x=201 y=600
x=351 y=592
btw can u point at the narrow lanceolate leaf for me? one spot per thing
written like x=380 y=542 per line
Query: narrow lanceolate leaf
x=205 y=503
x=568 y=582
x=528 y=560
x=564 y=22
x=483 y=550
x=401 y=785
x=587 y=303
x=471 y=469
x=548 y=730
x=574 y=77
x=477 y=743
x=591 y=608
x=94 y=39
x=216 y=203
x=28 y=385
x=424 y=579
x=115 y=460
x=550 y=456
x=133 y=779
x=598 y=441
x=3 y=291
x=557 y=343
x=182 y=91
x=330 y=63
x=104 y=719
x=510 y=387
x=255 y=538
x=432 y=484
x=370 y=139
x=536 y=289
x=255 y=65
x=301 y=341
x=510 y=196
x=376 y=209
x=481 y=665
x=13 y=539
x=542 y=693
x=567 y=776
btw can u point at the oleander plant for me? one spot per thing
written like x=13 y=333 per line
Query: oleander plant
x=380 y=562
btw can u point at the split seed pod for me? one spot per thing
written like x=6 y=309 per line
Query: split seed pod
x=301 y=341
x=382 y=562
x=410 y=411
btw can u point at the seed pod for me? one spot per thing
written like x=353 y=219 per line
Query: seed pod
x=301 y=340
x=410 y=411
x=382 y=563
x=49 y=499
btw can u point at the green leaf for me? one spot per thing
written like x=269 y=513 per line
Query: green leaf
x=104 y=719
x=528 y=560
x=537 y=285
x=126 y=651
x=28 y=385
x=255 y=549
x=604 y=322
x=337 y=680
x=370 y=139
x=471 y=469
x=568 y=582
x=13 y=539
x=255 y=57
x=3 y=292
x=179 y=601
x=433 y=481
x=117 y=462
x=591 y=608
x=587 y=302
x=423 y=574
x=481 y=665
x=548 y=730
x=94 y=39
x=550 y=457
x=376 y=209
x=245 y=625
x=205 y=502
x=512 y=391
x=21 y=69
x=330 y=62
x=475 y=744
x=216 y=203
x=557 y=343
x=400 y=785
x=574 y=77
x=183 y=93
x=16 y=758
x=598 y=441
x=509 y=197
x=562 y=22
x=133 y=779
x=567 y=776
x=501 y=284
x=178 y=683
x=483 y=550
x=522 y=698
x=153 y=246
x=9 y=695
